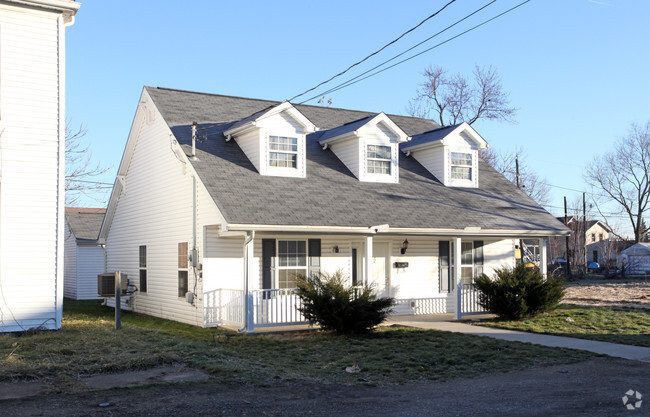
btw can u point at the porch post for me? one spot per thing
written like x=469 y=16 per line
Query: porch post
x=542 y=256
x=368 y=259
x=456 y=250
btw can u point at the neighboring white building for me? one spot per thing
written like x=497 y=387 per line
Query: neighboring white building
x=84 y=257
x=212 y=221
x=32 y=161
x=636 y=259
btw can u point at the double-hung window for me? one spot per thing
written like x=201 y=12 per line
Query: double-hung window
x=283 y=152
x=378 y=158
x=461 y=166
x=292 y=261
x=182 y=269
x=143 y=269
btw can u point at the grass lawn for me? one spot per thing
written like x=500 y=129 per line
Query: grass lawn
x=89 y=344
x=615 y=325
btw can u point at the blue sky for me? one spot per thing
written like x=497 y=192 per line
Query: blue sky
x=576 y=69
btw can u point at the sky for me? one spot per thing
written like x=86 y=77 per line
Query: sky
x=577 y=70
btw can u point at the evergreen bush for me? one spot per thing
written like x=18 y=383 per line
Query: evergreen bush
x=518 y=293
x=327 y=300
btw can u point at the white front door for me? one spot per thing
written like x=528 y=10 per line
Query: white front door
x=381 y=269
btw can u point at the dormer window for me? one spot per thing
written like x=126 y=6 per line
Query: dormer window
x=274 y=140
x=283 y=152
x=379 y=159
x=461 y=166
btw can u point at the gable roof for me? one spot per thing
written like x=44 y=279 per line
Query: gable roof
x=85 y=222
x=639 y=249
x=355 y=125
x=436 y=136
x=575 y=224
x=330 y=195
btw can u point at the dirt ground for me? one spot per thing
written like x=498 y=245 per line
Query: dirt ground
x=606 y=294
x=591 y=388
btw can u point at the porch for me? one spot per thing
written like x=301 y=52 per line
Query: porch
x=278 y=309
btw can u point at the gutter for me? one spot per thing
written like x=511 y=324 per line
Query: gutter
x=249 y=238
x=387 y=230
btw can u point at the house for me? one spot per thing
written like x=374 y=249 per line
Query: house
x=636 y=259
x=32 y=161
x=600 y=245
x=220 y=201
x=84 y=257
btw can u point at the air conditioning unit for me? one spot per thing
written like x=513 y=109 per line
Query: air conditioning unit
x=106 y=284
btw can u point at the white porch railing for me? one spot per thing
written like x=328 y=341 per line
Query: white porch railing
x=224 y=306
x=277 y=307
x=467 y=301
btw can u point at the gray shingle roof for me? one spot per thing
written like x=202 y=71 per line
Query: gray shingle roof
x=84 y=223
x=430 y=136
x=330 y=195
x=346 y=128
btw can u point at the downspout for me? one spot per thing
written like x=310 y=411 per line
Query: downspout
x=249 y=238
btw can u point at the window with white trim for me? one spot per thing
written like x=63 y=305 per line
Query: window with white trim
x=461 y=166
x=292 y=261
x=378 y=159
x=283 y=151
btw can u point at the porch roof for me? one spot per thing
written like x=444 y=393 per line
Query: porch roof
x=330 y=195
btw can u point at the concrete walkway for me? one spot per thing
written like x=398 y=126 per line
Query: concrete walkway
x=636 y=353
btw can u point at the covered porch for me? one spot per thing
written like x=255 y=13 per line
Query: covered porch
x=256 y=290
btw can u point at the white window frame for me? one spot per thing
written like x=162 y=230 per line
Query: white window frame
x=279 y=268
x=389 y=160
x=295 y=152
x=469 y=166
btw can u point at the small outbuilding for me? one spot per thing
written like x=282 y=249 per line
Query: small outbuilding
x=637 y=259
x=84 y=257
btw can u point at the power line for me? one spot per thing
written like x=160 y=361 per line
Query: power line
x=400 y=54
x=374 y=53
x=433 y=47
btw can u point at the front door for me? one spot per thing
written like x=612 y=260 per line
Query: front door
x=381 y=269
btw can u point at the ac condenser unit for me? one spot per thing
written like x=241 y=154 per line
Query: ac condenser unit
x=106 y=284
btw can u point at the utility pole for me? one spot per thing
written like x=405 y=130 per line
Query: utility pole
x=566 y=223
x=584 y=227
x=517 y=170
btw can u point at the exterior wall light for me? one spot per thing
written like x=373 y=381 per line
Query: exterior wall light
x=336 y=248
x=405 y=246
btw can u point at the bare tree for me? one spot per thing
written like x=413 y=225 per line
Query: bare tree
x=80 y=171
x=455 y=99
x=532 y=184
x=624 y=175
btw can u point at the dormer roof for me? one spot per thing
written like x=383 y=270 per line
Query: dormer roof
x=357 y=128
x=438 y=137
x=255 y=119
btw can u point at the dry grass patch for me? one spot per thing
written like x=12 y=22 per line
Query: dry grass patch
x=89 y=344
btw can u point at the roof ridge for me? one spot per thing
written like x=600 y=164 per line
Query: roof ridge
x=368 y=113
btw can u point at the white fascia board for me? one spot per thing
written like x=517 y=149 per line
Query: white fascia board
x=340 y=138
x=388 y=122
x=469 y=131
x=422 y=146
x=386 y=230
x=285 y=106
x=462 y=128
x=61 y=6
x=136 y=126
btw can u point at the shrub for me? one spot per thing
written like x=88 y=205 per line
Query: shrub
x=327 y=300
x=519 y=292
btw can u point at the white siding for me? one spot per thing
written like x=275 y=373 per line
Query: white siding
x=155 y=210
x=90 y=263
x=249 y=142
x=498 y=254
x=31 y=163
x=348 y=152
x=223 y=263
x=433 y=159
x=70 y=265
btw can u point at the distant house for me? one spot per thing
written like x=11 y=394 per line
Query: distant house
x=84 y=257
x=32 y=161
x=601 y=247
x=213 y=220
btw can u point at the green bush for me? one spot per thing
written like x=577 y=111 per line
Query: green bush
x=519 y=292
x=327 y=300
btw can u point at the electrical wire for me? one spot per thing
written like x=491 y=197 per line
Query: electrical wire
x=402 y=53
x=431 y=48
x=374 y=53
